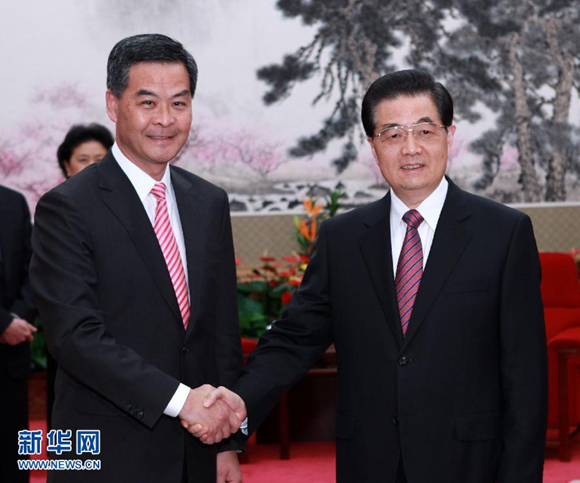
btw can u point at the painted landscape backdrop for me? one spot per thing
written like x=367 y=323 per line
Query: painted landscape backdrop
x=277 y=113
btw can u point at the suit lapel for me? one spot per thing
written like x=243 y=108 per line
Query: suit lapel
x=451 y=238
x=122 y=199
x=376 y=250
x=193 y=217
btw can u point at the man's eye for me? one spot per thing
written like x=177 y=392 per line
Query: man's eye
x=147 y=103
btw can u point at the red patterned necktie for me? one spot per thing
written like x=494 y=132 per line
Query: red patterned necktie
x=170 y=251
x=409 y=268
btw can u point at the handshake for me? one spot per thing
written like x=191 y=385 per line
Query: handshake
x=212 y=414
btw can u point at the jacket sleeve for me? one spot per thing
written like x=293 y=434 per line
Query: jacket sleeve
x=64 y=278
x=23 y=306
x=287 y=351
x=523 y=360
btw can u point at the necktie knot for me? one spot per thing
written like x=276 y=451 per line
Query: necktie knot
x=413 y=218
x=159 y=191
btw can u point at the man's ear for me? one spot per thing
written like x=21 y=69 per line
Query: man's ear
x=450 y=135
x=112 y=105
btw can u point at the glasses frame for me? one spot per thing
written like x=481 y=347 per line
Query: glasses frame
x=408 y=129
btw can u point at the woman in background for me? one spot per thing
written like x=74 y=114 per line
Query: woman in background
x=82 y=146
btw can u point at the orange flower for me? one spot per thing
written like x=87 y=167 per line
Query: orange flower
x=308 y=229
x=310 y=207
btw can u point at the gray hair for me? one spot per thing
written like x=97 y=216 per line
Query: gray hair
x=146 y=48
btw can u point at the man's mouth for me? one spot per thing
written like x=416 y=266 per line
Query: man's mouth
x=160 y=138
x=412 y=166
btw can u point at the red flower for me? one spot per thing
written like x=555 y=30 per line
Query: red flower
x=238 y=261
x=290 y=259
x=304 y=259
x=267 y=259
x=273 y=283
x=286 y=297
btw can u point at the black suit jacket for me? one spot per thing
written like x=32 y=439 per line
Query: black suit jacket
x=114 y=326
x=462 y=398
x=15 y=295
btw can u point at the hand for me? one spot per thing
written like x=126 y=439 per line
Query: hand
x=228 y=468
x=222 y=395
x=235 y=402
x=17 y=332
x=213 y=424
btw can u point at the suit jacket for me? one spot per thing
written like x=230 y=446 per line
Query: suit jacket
x=15 y=295
x=462 y=398
x=114 y=326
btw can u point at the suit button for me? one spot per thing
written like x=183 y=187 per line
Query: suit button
x=403 y=360
x=396 y=420
x=185 y=350
x=140 y=414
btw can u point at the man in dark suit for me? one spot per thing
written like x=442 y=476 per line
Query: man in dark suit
x=133 y=271
x=16 y=330
x=431 y=296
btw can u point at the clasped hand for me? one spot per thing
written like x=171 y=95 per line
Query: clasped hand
x=212 y=414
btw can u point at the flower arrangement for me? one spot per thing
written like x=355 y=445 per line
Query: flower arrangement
x=265 y=291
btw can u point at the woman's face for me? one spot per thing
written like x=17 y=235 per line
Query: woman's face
x=84 y=155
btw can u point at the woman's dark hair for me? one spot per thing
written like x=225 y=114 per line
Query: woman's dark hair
x=79 y=134
x=409 y=83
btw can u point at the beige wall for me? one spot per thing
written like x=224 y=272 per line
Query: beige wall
x=557 y=228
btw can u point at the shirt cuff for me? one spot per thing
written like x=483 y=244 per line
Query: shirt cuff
x=177 y=401
x=244 y=427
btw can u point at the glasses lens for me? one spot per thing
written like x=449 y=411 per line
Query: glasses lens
x=393 y=135
x=426 y=133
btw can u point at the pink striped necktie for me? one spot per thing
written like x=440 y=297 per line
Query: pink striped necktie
x=166 y=238
x=409 y=268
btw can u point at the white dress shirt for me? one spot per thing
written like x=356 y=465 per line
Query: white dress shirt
x=143 y=184
x=430 y=210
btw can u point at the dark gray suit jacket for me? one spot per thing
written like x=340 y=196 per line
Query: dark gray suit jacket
x=113 y=323
x=15 y=295
x=463 y=397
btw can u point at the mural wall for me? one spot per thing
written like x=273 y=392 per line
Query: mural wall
x=276 y=114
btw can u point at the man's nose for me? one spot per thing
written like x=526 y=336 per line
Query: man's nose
x=410 y=144
x=164 y=116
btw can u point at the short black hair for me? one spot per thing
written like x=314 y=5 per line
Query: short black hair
x=146 y=48
x=405 y=83
x=79 y=134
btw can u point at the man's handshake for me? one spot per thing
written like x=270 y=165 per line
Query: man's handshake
x=212 y=414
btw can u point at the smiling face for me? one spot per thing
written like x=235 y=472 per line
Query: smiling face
x=153 y=115
x=412 y=169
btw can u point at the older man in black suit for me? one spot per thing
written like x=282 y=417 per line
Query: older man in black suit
x=432 y=298
x=134 y=274
x=16 y=330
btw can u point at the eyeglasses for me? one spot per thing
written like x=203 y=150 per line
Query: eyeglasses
x=424 y=133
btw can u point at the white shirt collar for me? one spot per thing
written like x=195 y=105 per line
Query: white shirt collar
x=141 y=181
x=430 y=208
